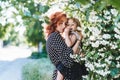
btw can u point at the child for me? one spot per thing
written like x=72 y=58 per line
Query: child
x=70 y=39
x=75 y=35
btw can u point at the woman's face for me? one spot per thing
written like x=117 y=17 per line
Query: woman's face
x=71 y=24
x=61 y=24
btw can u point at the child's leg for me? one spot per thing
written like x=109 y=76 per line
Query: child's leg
x=59 y=76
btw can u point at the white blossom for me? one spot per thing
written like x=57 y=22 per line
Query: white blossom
x=106 y=12
x=101 y=54
x=118 y=65
x=100 y=50
x=117 y=30
x=118 y=58
x=114 y=46
x=91 y=66
x=106 y=36
x=108 y=17
x=87 y=43
x=108 y=61
x=95 y=31
x=114 y=12
x=99 y=64
x=102 y=72
x=92 y=38
x=93 y=17
x=103 y=42
x=92 y=1
x=73 y=55
x=84 y=7
x=117 y=36
x=96 y=44
x=110 y=57
x=118 y=25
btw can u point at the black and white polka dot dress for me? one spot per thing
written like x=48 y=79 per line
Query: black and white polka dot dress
x=59 y=55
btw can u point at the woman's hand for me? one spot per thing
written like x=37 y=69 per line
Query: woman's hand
x=79 y=35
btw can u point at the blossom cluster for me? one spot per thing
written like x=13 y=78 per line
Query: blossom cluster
x=102 y=42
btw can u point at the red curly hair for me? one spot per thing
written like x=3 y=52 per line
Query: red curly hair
x=54 y=19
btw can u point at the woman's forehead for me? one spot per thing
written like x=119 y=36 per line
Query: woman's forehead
x=63 y=19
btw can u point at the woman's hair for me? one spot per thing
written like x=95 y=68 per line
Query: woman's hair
x=76 y=21
x=54 y=19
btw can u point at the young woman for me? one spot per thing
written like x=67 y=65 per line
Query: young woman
x=58 y=51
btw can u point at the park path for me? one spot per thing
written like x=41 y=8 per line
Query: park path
x=12 y=70
x=11 y=62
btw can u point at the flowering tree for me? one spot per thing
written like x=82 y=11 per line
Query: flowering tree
x=101 y=30
x=23 y=14
x=102 y=43
x=100 y=20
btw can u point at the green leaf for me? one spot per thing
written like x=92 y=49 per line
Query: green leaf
x=84 y=2
x=100 y=5
x=115 y=3
x=0 y=8
x=114 y=72
x=43 y=9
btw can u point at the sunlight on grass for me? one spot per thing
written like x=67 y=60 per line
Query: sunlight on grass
x=39 y=69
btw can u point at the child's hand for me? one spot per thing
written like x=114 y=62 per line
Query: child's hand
x=67 y=31
x=82 y=55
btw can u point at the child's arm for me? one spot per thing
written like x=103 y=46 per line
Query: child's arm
x=69 y=39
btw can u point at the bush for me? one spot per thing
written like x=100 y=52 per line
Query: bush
x=37 y=55
x=40 y=69
x=101 y=42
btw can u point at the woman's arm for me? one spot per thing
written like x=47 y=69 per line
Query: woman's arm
x=62 y=50
x=59 y=76
x=67 y=37
x=76 y=47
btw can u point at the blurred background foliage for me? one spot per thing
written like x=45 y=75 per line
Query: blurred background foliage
x=23 y=14
x=29 y=15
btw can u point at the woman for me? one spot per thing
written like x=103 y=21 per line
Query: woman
x=58 y=51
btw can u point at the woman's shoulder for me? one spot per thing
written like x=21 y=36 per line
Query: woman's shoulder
x=54 y=35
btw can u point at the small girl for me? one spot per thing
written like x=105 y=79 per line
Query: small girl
x=73 y=34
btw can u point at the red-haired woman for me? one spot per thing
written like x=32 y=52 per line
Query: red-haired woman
x=58 y=51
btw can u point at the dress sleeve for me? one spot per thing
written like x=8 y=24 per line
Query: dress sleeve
x=62 y=50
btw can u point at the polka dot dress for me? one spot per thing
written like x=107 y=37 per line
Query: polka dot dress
x=59 y=55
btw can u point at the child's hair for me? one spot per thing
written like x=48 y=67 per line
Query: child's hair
x=78 y=25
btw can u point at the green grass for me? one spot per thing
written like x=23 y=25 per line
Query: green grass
x=39 y=69
x=38 y=55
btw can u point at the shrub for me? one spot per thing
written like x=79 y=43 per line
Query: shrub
x=38 y=69
x=101 y=43
x=37 y=55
